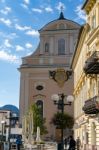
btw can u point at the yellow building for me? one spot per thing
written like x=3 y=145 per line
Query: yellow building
x=85 y=65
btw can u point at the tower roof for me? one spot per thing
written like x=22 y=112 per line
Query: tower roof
x=61 y=16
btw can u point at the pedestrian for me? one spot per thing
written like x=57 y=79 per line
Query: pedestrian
x=66 y=142
x=18 y=142
x=72 y=143
x=6 y=146
x=78 y=143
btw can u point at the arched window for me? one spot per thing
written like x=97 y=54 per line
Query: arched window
x=61 y=47
x=47 y=47
x=39 y=103
x=61 y=26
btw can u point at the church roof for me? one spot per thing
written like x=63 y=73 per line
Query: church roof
x=61 y=16
x=60 y=19
x=61 y=24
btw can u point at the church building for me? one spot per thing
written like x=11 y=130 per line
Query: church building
x=53 y=55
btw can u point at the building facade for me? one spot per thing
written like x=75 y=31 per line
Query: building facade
x=4 y=125
x=54 y=53
x=85 y=64
x=9 y=123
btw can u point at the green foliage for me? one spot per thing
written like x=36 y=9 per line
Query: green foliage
x=38 y=121
x=63 y=120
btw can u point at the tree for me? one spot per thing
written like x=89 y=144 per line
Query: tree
x=38 y=120
x=63 y=121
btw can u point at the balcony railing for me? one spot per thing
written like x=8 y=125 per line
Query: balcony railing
x=92 y=64
x=91 y=105
x=51 y=60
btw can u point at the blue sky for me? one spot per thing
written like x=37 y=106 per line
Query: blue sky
x=20 y=21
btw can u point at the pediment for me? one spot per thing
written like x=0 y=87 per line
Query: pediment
x=59 y=24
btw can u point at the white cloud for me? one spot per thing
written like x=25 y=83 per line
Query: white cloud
x=6 y=10
x=29 y=53
x=32 y=32
x=7 y=22
x=40 y=10
x=60 y=6
x=28 y=45
x=8 y=57
x=13 y=35
x=22 y=28
x=80 y=13
x=24 y=6
x=7 y=43
x=9 y=36
x=2 y=1
x=37 y=10
x=48 y=9
x=26 y=2
x=19 y=48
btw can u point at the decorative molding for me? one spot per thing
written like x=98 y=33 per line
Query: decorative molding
x=60 y=76
x=39 y=96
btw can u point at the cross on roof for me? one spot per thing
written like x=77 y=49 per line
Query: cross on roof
x=62 y=8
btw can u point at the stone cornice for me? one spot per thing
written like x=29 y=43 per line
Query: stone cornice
x=81 y=38
x=94 y=34
x=88 y=5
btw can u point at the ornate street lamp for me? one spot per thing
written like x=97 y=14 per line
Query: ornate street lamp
x=59 y=100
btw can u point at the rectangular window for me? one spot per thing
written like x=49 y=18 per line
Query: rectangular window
x=61 y=47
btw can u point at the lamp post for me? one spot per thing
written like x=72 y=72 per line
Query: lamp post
x=59 y=100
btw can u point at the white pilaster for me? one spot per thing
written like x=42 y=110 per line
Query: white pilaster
x=41 y=45
x=26 y=90
x=51 y=45
x=93 y=134
x=71 y=44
